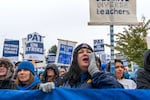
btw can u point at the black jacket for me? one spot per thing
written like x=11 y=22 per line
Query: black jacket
x=7 y=84
x=143 y=74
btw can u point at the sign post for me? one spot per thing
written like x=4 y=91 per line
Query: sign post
x=112 y=12
x=112 y=49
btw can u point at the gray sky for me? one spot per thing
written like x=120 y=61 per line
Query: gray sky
x=63 y=19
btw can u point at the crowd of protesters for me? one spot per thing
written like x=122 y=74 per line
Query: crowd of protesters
x=85 y=71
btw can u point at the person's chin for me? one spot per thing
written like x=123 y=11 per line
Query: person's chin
x=85 y=66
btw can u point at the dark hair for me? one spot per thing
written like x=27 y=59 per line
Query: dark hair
x=108 y=67
x=50 y=66
x=73 y=75
x=98 y=61
x=63 y=68
x=117 y=60
x=54 y=67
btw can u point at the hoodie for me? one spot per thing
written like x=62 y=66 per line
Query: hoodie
x=143 y=74
x=147 y=60
x=7 y=82
x=50 y=66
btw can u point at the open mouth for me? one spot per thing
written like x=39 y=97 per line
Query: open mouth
x=2 y=71
x=86 y=59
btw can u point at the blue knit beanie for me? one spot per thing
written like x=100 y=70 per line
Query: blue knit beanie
x=26 y=65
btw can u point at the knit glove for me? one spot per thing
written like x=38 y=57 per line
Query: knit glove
x=93 y=68
x=47 y=87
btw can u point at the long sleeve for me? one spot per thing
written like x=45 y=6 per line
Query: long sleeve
x=143 y=79
x=105 y=80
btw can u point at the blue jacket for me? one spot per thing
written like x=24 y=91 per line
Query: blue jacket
x=32 y=86
x=99 y=80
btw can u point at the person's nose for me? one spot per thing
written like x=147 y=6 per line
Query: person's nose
x=21 y=71
x=86 y=53
x=120 y=68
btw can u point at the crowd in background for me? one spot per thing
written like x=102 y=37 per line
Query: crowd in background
x=85 y=71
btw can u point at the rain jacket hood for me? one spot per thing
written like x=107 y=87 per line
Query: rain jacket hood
x=52 y=66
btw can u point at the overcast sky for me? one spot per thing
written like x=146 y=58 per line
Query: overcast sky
x=63 y=19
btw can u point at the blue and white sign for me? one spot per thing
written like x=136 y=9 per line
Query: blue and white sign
x=34 y=47
x=99 y=45
x=11 y=49
x=125 y=63
x=51 y=58
x=65 y=54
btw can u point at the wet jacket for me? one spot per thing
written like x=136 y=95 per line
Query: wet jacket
x=143 y=74
x=7 y=84
x=99 y=80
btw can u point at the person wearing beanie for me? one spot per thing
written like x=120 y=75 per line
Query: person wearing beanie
x=84 y=72
x=6 y=74
x=26 y=78
x=51 y=74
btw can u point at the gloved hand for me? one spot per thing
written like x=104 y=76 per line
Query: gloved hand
x=93 y=68
x=47 y=87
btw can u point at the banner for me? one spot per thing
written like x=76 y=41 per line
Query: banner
x=113 y=12
x=11 y=49
x=64 y=52
x=76 y=94
x=34 y=47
